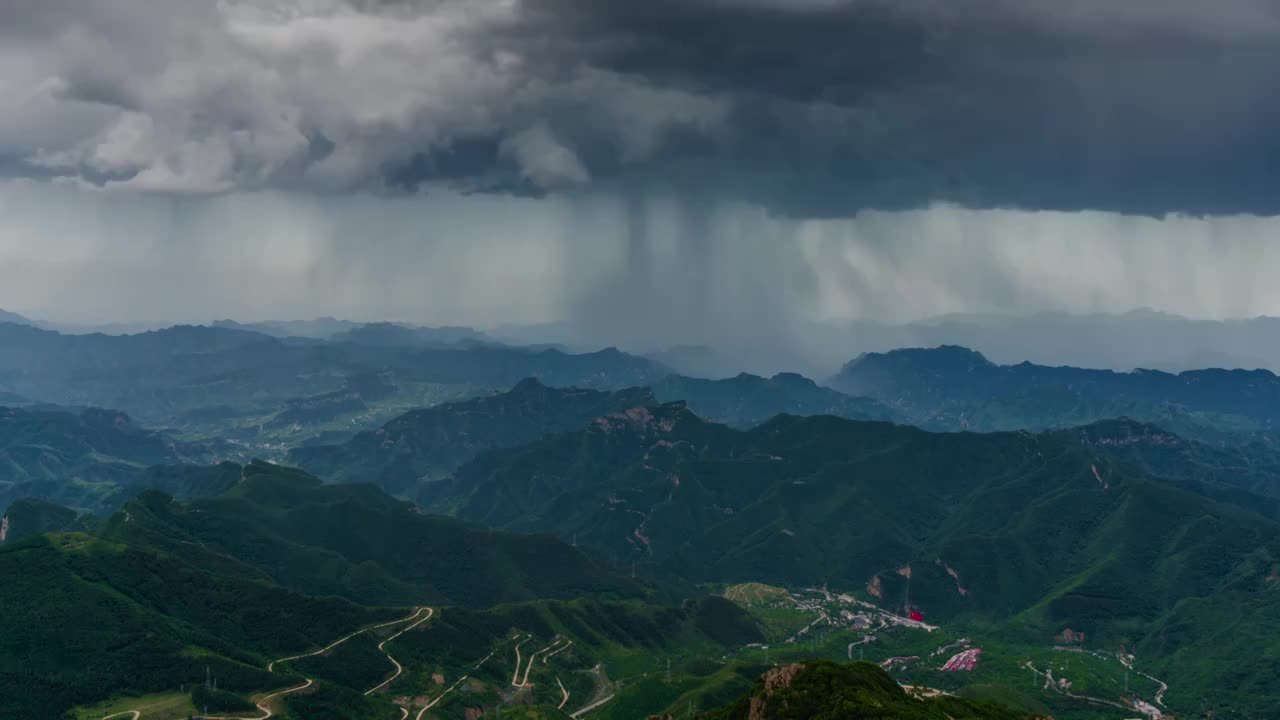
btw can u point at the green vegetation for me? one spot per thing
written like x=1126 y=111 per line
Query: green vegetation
x=1025 y=535
x=220 y=701
x=161 y=706
x=754 y=594
x=356 y=542
x=30 y=516
x=86 y=619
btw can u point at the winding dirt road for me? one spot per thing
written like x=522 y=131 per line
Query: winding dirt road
x=264 y=703
x=564 y=690
x=515 y=675
x=566 y=646
x=591 y=707
x=399 y=668
x=524 y=681
x=271 y=665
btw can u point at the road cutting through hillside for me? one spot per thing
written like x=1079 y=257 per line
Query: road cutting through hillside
x=399 y=668
x=545 y=658
x=271 y=665
x=515 y=674
x=455 y=684
x=1050 y=684
x=524 y=681
x=591 y=707
x=564 y=690
x=263 y=703
x=1127 y=661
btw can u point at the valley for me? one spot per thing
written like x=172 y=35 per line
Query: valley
x=580 y=550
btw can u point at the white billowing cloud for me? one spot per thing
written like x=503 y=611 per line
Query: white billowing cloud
x=543 y=159
x=204 y=96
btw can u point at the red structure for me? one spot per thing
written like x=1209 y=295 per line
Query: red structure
x=915 y=615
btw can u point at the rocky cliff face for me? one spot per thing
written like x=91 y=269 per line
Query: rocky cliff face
x=774 y=680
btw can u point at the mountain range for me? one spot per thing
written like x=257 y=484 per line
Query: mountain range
x=954 y=388
x=1037 y=532
x=598 y=505
x=423 y=446
x=166 y=594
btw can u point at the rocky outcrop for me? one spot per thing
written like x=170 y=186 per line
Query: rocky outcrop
x=774 y=680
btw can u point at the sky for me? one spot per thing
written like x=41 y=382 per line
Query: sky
x=735 y=172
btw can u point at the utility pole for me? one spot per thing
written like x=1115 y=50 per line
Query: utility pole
x=633 y=569
x=668 y=669
x=1126 y=682
x=206 y=677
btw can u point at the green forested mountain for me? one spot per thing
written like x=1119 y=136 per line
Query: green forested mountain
x=354 y=541
x=822 y=690
x=31 y=516
x=746 y=400
x=87 y=618
x=426 y=444
x=1245 y=472
x=1041 y=530
x=952 y=388
x=89 y=460
x=166 y=590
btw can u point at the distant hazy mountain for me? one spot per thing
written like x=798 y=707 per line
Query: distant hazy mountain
x=1137 y=339
x=318 y=329
x=954 y=388
x=16 y=319
x=747 y=400
x=394 y=334
x=202 y=374
x=426 y=444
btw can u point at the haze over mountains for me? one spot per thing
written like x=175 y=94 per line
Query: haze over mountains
x=600 y=504
x=1116 y=341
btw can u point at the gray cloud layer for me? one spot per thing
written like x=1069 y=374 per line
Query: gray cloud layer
x=811 y=108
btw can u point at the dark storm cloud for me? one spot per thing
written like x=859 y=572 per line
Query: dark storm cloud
x=838 y=106
x=809 y=107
